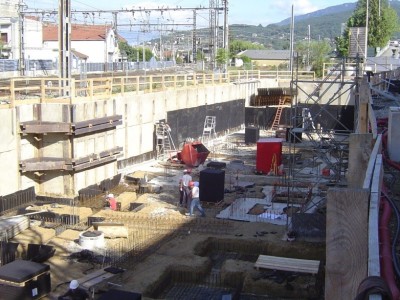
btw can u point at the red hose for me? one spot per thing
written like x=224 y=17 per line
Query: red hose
x=386 y=259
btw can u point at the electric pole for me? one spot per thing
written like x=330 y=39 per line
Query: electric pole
x=64 y=45
x=21 y=7
x=226 y=31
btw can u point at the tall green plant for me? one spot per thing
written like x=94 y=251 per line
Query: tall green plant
x=135 y=53
x=315 y=53
x=382 y=23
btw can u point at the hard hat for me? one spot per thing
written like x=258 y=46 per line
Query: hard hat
x=196 y=183
x=191 y=183
x=73 y=284
x=110 y=196
x=185 y=171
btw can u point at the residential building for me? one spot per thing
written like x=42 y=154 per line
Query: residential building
x=98 y=42
x=267 y=58
x=9 y=28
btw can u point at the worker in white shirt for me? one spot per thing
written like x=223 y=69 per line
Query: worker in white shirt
x=184 y=188
x=195 y=199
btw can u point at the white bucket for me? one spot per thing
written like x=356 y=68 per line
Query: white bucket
x=91 y=239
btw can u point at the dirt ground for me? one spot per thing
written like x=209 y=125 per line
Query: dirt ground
x=178 y=248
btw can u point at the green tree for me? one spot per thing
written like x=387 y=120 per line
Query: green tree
x=222 y=57
x=237 y=46
x=135 y=53
x=315 y=54
x=382 y=23
x=200 y=55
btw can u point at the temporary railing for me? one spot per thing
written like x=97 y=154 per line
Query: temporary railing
x=16 y=91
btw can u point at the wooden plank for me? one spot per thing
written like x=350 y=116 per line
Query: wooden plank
x=96 y=225
x=287 y=264
x=45 y=127
x=371 y=163
x=372 y=121
x=373 y=225
x=359 y=149
x=92 y=279
x=97 y=127
x=94 y=163
x=346 y=242
x=98 y=121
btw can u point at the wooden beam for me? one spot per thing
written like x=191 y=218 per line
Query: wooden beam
x=346 y=242
x=44 y=127
x=287 y=264
x=359 y=152
x=373 y=226
x=371 y=163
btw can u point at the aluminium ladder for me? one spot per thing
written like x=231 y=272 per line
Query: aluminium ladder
x=209 y=129
x=165 y=144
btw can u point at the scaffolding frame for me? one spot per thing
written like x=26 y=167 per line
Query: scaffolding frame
x=328 y=147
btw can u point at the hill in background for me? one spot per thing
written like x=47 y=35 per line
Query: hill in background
x=324 y=24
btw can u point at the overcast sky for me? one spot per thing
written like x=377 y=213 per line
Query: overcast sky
x=251 y=12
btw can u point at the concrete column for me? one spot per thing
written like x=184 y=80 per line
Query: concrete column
x=394 y=134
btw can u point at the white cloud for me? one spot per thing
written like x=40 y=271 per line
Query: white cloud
x=167 y=16
x=300 y=7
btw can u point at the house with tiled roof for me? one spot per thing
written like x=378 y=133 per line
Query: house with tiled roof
x=267 y=58
x=98 y=43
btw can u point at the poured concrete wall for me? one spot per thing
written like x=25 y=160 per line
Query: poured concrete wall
x=184 y=109
x=334 y=93
x=9 y=146
x=139 y=113
x=394 y=134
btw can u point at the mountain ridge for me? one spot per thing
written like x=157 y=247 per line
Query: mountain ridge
x=323 y=24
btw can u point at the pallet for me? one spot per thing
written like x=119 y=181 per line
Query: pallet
x=287 y=264
x=212 y=204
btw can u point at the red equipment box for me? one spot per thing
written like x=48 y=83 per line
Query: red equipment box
x=193 y=154
x=269 y=155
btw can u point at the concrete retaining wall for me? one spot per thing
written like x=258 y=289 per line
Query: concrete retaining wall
x=136 y=135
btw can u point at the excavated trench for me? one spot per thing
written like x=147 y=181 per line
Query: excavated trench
x=229 y=272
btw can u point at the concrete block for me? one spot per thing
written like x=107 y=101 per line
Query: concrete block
x=147 y=138
x=53 y=112
x=394 y=134
x=147 y=108
x=25 y=113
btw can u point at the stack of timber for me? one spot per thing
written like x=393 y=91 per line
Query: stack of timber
x=11 y=227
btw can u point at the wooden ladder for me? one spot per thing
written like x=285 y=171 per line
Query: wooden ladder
x=277 y=119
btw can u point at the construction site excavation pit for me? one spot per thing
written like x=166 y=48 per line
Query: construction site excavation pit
x=223 y=268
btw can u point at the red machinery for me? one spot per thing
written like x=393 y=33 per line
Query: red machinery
x=269 y=155
x=193 y=154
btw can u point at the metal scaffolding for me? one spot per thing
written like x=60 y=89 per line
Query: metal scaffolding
x=318 y=156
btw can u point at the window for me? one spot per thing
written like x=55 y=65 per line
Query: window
x=4 y=38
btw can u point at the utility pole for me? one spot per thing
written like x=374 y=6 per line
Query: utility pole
x=226 y=31
x=21 y=7
x=213 y=37
x=308 y=47
x=194 y=37
x=366 y=33
x=291 y=42
x=64 y=43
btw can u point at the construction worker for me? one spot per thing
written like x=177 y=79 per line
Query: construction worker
x=74 y=292
x=111 y=202
x=195 y=199
x=184 y=188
